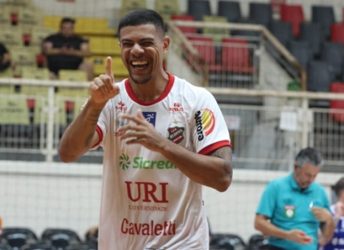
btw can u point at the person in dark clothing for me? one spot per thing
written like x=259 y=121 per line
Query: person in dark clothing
x=66 y=50
x=5 y=58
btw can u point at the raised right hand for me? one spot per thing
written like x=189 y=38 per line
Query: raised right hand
x=103 y=87
x=299 y=236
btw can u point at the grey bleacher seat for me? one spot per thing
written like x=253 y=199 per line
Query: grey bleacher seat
x=199 y=8
x=60 y=238
x=17 y=237
x=282 y=31
x=226 y=241
x=311 y=32
x=320 y=76
x=333 y=53
x=260 y=13
x=257 y=242
x=301 y=51
x=40 y=245
x=325 y=16
x=229 y=9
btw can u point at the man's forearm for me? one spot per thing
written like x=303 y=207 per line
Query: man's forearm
x=80 y=134
x=327 y=231
x=269 y=229
x=212 y=171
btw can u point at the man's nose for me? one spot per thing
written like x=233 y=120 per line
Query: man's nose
x=136 y=49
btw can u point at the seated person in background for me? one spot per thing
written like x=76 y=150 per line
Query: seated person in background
x=337 y=210
x=5 y=58
x=66 y=50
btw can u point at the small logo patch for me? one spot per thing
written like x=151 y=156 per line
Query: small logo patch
x=124 y=161
x=150 y=117
x=289 y=211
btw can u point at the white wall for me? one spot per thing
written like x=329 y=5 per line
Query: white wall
x=40 y=195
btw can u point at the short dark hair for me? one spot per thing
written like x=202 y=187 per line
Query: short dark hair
x=308 y=155
x=142 y=16
x=67 y=20
x=338 y=186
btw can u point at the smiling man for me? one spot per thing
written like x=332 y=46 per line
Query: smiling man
x=292 y=208
x=163 y=139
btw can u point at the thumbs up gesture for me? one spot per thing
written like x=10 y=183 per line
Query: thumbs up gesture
x=103 y=87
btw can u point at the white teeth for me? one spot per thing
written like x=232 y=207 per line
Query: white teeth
x=139 y=63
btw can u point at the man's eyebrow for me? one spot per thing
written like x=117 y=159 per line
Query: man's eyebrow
x=141 y=40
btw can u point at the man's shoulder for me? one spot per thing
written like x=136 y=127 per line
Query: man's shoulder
x=317 y=186
x=188 y=87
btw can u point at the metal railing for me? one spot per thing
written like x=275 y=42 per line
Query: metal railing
x=255 y=36
x=264 y=136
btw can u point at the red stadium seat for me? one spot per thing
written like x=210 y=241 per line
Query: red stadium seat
x=206 y=48
x=185 y=29
x=337 y=87
x=236 y=56
x=337 y=32
x=294 y=15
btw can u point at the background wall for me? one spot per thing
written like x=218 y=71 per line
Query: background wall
x=41 y=195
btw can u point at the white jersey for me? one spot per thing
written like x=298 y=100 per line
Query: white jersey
x=148 y=203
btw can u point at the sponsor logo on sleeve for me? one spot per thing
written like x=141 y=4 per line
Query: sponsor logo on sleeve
x=150 y=117
x=205 y=123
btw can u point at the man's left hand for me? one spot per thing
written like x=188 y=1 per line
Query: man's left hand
x=140 y=131
x=322 y=214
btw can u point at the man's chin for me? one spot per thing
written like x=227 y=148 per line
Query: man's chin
x=139 y=79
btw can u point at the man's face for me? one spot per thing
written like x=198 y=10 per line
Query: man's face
x=305 y=174
x=142 y=51
x=341 y=196
x=67 y=28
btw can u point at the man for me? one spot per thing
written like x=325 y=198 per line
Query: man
x=292 y=208
x=337 y=210
x=163 y=139
x=5 y=58
x=66 y=50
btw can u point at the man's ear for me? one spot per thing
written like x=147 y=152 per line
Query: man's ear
x=166 y=43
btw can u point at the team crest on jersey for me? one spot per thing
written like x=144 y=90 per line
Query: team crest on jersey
x=289 y=211
x=176 y=134
x=205 y=123
x=150 y=117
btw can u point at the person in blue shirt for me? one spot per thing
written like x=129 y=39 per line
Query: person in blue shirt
x=337 y=210
x=293 y=207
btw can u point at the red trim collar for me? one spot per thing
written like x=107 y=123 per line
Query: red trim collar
x=167 y=89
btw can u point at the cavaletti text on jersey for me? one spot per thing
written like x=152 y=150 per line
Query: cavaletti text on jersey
x=151 y=228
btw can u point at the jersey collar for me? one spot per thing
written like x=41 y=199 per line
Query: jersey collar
x=295 y=186
x=167 y=89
